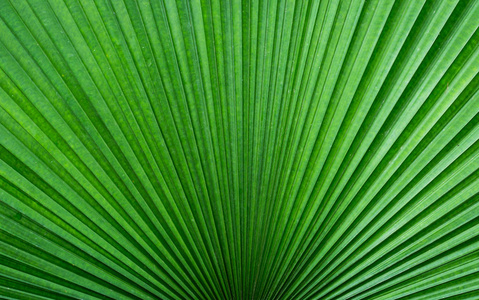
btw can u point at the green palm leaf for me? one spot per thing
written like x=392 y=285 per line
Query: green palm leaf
x=211 y=149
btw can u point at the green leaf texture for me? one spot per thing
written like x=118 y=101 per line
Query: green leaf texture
x=239 y=149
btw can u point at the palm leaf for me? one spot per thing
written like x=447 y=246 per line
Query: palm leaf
x=239 y=149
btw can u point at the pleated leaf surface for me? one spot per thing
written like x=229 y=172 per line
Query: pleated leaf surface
x=239 y=149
